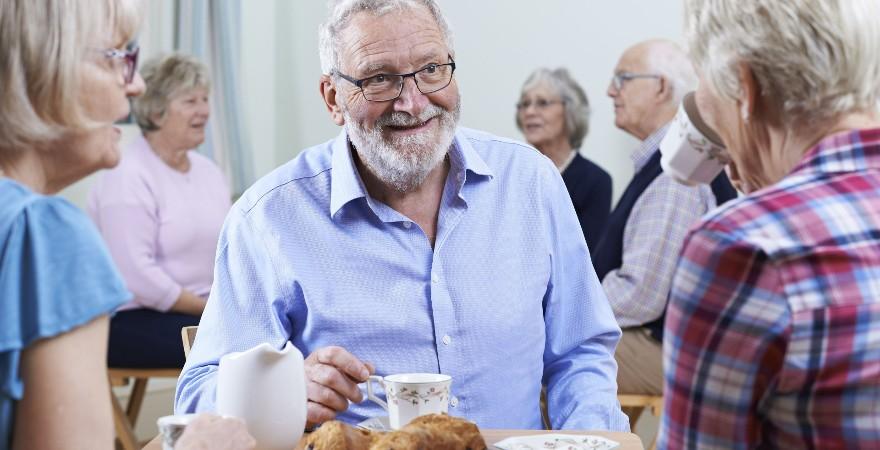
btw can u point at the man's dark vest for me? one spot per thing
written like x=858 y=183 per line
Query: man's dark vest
x=609 y=253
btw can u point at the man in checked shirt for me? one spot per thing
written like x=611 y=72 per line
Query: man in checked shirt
x=636 y=255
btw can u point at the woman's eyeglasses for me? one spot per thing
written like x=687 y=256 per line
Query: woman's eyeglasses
x=540 y=104
x=127 y=58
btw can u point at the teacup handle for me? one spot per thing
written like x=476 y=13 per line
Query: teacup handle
x=371 y=395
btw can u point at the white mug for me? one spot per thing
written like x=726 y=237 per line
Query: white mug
x=691 y=152
x=171 y=428
x=411 y=395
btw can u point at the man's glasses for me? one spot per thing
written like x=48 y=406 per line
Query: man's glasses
x=619 y=79
x=128 y=59
x=385 y=87
x=539 y=104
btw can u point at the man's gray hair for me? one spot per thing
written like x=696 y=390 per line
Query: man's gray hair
x=668 y=59
x=341 y=12
x=814 y=60
x=574 y=99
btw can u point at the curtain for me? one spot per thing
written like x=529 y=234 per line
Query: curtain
x=211 y=31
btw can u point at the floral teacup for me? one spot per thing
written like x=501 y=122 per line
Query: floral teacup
x=691 y=152
x=411 y=395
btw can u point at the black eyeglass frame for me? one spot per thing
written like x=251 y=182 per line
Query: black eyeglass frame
x=403 y=76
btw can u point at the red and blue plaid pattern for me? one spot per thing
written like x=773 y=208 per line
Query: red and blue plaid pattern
x=773 y=329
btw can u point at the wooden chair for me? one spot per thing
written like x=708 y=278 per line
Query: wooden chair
x=124 y=419
x=188 y=334
x=633 y=405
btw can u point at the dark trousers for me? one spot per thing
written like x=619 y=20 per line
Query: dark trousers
x=144 y=338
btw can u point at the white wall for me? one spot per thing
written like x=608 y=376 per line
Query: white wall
x=498 y=43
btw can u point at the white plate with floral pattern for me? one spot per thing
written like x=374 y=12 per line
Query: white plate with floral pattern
x=557 y=442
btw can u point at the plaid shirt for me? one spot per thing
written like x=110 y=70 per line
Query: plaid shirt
x=652 y=240
x=773 y=328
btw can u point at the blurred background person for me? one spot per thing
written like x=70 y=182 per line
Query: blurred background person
x=553 y=114
x=636 y=257
x=773 y=314
x=67 y=73
x=160 y=212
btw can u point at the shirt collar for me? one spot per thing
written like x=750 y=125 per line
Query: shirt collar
x=641 y=155
x=847 y=151
x=346 y=183
x=567 y=161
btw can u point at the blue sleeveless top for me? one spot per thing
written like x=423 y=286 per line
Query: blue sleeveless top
x=55 y=275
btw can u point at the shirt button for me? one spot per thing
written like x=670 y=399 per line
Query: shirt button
x=435 y=278
x=453 y=402
x=407 y=225
x=447 y=339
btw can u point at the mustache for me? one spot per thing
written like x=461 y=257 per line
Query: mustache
x=404 y=119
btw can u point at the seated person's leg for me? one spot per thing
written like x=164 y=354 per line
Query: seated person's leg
x=639 y=363
x=144 y=338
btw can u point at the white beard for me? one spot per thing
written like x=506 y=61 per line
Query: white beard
x=404 y=163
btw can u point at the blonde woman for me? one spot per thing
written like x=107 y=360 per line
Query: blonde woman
x=772 y=324
x=67 y=73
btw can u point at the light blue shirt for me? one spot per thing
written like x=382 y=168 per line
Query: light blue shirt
x=506 y=299
x=55 y=275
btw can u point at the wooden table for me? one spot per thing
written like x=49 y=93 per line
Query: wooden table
x=628 y=441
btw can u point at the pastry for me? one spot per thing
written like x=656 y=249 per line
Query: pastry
x=435 y=432
x=335 y=435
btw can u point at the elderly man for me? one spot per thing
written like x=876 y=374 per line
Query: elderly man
x=636 y=255
x=407 y=244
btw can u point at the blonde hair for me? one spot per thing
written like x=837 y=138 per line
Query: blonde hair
x=166 y=77
x=43 y=44
x=813 y=59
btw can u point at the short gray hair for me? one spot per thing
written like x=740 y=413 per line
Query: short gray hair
x=574 y=99
x=669 y=60
x=813 y=59
x=42 y=47
x=341 y=12
x=166 y=77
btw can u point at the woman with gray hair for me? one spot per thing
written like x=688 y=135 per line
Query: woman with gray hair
x=554 y=115
x=775 y=301
x=160 y=212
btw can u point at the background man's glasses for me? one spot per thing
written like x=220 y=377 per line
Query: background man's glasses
x=619 y=79
x=127 y=58
x=539 y=104
x=385 y=87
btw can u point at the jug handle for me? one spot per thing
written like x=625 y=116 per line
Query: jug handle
x=371 y=395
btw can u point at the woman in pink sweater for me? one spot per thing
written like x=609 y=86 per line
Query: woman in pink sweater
x=160 y=212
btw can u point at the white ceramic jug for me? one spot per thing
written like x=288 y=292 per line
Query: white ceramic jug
x=267 y=389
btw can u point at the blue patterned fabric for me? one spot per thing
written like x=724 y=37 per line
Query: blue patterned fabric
x=506 y=299
x=55 y=275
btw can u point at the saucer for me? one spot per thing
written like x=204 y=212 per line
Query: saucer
x=557 y=441
x=376 y=424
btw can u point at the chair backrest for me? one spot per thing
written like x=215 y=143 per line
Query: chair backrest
x=188 y=334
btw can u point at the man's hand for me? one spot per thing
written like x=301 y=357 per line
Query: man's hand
x=210 y=432
x=332 y=375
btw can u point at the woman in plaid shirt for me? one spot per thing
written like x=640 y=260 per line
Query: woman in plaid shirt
x=773 y=329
